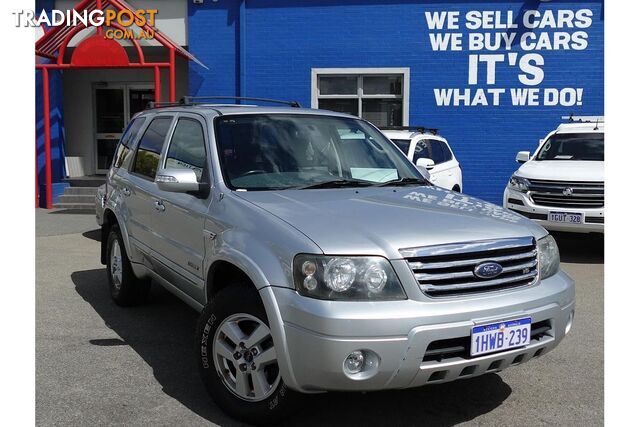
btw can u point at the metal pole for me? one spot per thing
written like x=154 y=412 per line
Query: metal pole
x=37 y=189
x=156 y=73
x=172 y=75
x=47 y=138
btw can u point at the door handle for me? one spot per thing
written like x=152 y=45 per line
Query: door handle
x=159 y=206
x=126 y=191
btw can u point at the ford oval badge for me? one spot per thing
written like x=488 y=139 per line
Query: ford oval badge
x=487 y=270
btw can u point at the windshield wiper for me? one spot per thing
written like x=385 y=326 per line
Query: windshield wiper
x=336 y=183
x=404 y=181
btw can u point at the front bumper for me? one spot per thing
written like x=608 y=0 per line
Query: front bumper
x=593 y=219
x=313 y=337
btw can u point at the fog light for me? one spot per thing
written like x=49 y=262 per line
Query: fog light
x=569 y=323
x=354 y=362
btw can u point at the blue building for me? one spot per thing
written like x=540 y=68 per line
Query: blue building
x=493 y=76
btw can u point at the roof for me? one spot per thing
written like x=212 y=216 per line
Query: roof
x=408 y=134
x=224 y=109
x=580 y=127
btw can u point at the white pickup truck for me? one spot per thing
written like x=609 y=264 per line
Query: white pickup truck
x=561 y=186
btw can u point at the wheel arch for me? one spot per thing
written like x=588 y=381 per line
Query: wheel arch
x=110 y=218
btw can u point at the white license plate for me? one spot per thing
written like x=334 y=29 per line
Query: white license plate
x=570 y=217
x=500 y=336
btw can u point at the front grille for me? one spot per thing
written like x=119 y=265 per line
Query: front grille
x=567 y=194
x=448 y=270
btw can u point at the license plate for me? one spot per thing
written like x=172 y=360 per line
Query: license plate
x=570 y=217
x=500 y=336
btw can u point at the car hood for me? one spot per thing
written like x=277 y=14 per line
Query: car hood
x=563 y=170
x=380 y=221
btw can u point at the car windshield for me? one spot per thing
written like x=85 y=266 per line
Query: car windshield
x=573 y=146
x=402 y=144
x=280 y=151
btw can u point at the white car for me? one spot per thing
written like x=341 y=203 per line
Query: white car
x=427 y=149
x=562 y=185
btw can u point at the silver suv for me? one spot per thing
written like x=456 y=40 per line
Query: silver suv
x=319 y=257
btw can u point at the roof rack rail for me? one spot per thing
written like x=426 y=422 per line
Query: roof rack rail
x=153 y=104
x=189 y=100
x=421 y=129
x=583 y=119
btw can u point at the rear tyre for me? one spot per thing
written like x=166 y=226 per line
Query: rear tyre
x=456 y=188
x=126 y=289
x=237 y=358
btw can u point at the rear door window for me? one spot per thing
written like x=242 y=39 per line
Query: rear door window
x=150 y=147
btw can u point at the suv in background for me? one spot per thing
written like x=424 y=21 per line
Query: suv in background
x=319 y=258
x=562 y=185
x=430 y=151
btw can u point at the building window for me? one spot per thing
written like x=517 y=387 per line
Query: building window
x=379 y=95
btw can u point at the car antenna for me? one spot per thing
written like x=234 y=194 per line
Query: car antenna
x=597 y=122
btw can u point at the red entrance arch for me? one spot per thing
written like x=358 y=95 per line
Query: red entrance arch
x=96 y=52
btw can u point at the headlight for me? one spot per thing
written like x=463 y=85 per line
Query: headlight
x=548 y=257
x=346 y=278
x=518 y=183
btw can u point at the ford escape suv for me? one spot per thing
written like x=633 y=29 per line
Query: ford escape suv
x=319 y=258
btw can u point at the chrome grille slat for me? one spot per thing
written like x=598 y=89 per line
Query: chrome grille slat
x=483 y=284
x=463 y=274
x=434 y=265
x=550 y=193
x=448 y=270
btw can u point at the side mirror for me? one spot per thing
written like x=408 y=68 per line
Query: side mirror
x=523 y=156
x=426 y=163
x=177 y=180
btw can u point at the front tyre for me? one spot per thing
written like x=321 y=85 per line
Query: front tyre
x=237 y=358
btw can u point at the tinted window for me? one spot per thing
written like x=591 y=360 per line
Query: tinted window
x=422 y=151
x=186 y=150
x=124 y=152
x=573 y=146
x=148 y=154
x=437 y=153
x=402 y=144
x=446 y=152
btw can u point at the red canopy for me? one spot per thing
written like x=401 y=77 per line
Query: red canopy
x=96 y=51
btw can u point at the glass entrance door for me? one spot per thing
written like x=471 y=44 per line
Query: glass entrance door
x=110 y=122
x=115 y=104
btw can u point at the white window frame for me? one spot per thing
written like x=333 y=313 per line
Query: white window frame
x=337 y=72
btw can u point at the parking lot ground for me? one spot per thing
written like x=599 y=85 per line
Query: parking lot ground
x=99 y=364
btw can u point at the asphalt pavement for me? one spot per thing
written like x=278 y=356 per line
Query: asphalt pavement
x=99 y=364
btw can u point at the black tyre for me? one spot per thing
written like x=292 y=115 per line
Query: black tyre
x=126 y=289
x=237 y=359
x=456 y=188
